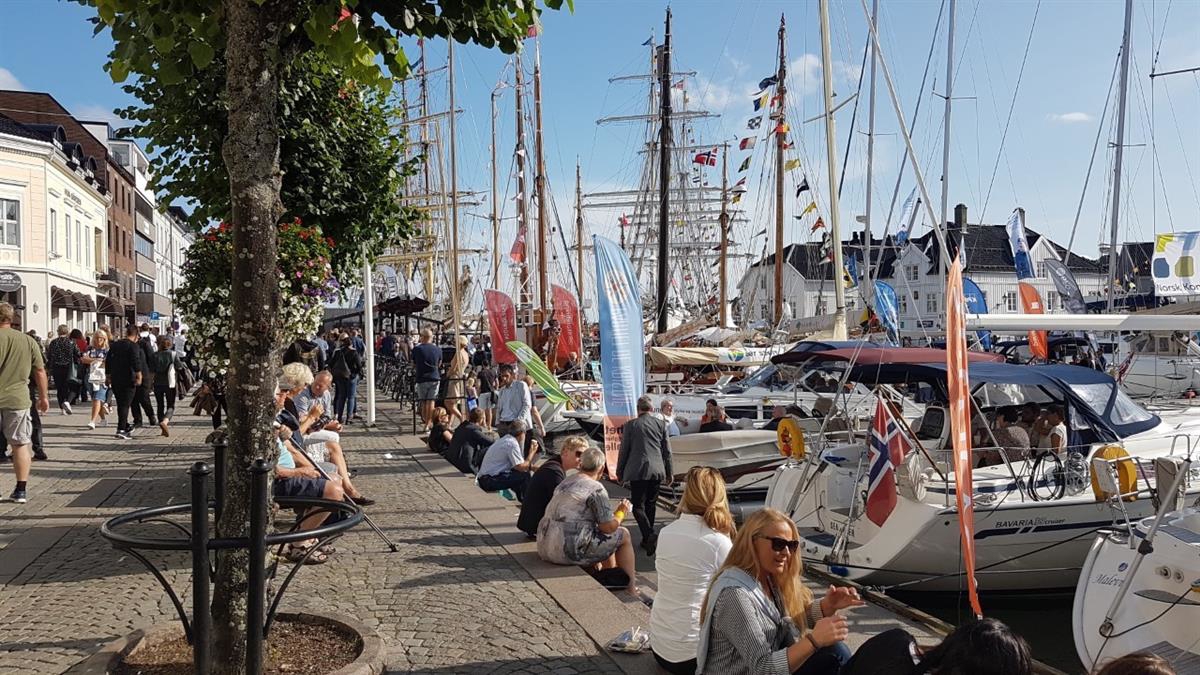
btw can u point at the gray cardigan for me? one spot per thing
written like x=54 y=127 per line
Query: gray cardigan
x=645 y=450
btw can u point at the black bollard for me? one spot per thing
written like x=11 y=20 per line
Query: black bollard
x=256 y=603
x=201 y=614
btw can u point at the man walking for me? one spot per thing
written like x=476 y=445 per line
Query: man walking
x=125 y=366
x=427 y=358
x=645 y=463
x=20 y=361
x=141 y=393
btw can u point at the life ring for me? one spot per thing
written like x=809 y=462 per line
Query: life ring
x=1126 y=472
x=791 y=438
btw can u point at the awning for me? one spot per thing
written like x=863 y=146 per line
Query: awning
x=881 y=356
x=110 y=306
x=65 y=299
x=402 y=305
x=84 y=302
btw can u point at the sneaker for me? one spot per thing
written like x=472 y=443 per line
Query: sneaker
x=508 y=494
x=137 y=425
x=123 y=436
x=66 y=407
x=92 y=426
x=40 y=454
x=18 y=496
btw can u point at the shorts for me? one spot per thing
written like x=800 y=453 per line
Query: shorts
x=299 y=487
x=98 y=391
x=427 y=391
x=485 y=401
x=18 y=426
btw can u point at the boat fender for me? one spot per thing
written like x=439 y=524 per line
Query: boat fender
x=1126 y=473
x=913 y=477
x=791 y=438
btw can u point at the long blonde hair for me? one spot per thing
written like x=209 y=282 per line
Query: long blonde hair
x=100 y=340
x=704 y=496
x=793 y=593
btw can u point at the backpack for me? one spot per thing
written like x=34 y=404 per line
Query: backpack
x=338 y=366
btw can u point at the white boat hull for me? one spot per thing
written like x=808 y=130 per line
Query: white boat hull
x=1170 y=575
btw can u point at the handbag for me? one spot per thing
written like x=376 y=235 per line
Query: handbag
x=96 y=374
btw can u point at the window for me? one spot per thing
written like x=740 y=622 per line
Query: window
x=916 y=295
x=931 y=304
x=53 y=233
x=1052 y=301
x=1041 y=269
x=903 y=304
x=10 y=222
x=79 y=241
x=1010 y=302
x=143 y=246
x=67 y=227
x=144 y=286
x=912 y=272
x=1164 y=345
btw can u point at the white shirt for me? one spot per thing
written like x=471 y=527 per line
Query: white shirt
x=504 y=454
x=689 y=553
x=515 y=403
x=669 y=420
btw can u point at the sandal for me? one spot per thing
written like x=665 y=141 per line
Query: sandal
x=295 y=554
x=327 y=549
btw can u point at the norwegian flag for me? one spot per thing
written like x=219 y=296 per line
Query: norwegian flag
x=888 y=449
x=623 y=220
x=706 y=158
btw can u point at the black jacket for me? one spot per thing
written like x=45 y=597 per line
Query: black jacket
x=124 y=361
x=538 y=493
x=468 y=441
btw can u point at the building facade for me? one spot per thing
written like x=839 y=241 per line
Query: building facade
x=53 y=226
x=915 y=271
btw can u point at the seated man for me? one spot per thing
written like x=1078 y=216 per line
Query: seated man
x=777 y=415
x=717 y=422
x=666 y=413
x=504 y=467
x=545 y=480
x=1009 y=436
x=468 y=443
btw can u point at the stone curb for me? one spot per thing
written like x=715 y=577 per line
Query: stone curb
x=369 y=661
x=600 y=613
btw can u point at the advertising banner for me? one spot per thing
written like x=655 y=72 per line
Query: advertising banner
x=502 y=324
x=622 y=352
x=1174 y=264
x=566 y=310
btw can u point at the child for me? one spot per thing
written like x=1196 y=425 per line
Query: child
x=472 y=394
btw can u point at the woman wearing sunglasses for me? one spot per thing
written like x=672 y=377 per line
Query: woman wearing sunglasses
x=690 y=551
x=758 y=616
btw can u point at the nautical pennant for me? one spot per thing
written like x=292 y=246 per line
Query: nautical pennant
x=819 y=224
x=623 y=220
x=802 y=187
x=791 y=164
x=759 y=102
x=747 y=143
x=745 y=165
x=768 y=81
x=782 y=128
x=754 y=123
x=812 y=206
x=708 y=158
x=678 y=85
x=741 y=181
x=649 y=41
x=737 y=197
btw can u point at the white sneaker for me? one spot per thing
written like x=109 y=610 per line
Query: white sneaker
x=66 y=408
x=92 y=425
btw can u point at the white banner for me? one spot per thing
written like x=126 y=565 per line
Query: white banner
x=1174 y=266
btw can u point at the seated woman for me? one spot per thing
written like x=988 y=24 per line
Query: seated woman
x=978 y=647
x=439 y=434
x=690 y=551
x=580 y=528
x=760 y=619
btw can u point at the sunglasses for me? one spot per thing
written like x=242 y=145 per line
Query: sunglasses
x=778 y=544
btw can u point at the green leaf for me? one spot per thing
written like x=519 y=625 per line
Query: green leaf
x=201 y=53
x=118 y=70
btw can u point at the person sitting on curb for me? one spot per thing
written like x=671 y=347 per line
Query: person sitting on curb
x=301 y=479
x=545 y=480
x=440 y=434
x=469 y=443
x=979 y=647
x=581 y=528
x=504 y=467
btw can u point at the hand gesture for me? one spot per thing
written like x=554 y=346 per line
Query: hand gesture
x=840 y=597
x=315 y=410
x=830 y=631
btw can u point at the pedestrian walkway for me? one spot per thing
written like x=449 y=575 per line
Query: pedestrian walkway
x=450 y=600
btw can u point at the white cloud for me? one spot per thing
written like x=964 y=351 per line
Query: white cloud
x=1069 y=118
x=93 y=112
x=10 y=81
x=804 y=73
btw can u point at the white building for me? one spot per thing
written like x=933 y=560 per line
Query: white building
x=52 y=227
x=915 y=272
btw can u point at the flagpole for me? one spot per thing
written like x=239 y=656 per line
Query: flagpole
x=540 y=184
x=781 y=92
x=495 y=197
x=724 y=272
x=455 y=300
x=835 y=232
x=867 y=289
x=523 y=294
x=1118 y=160
x=664 y=175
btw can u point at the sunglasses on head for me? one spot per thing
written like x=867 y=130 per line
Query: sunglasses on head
x=778 y=544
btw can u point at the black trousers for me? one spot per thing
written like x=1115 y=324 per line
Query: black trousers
x=165 y=397
x=141 y=403
x=124 y=395
x=64 y=388
x=643 y=493
x=676 y=668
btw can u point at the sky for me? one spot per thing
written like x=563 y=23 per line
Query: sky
x=1026 y=145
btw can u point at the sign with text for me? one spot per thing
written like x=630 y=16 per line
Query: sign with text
x=1174 y=264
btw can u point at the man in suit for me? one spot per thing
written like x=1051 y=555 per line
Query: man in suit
x=645 y=463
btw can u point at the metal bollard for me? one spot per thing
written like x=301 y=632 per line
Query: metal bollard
x=219 y=477
x=256 y=603
x=201 y=613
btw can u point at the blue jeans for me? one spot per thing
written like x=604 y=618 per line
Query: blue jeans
x=511 y=480
x=826 y=660
x=353 y=398
x=345 y=391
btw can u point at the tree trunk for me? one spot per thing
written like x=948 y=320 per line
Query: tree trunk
x=251 y=154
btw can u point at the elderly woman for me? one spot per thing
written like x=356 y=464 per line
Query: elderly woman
x=690 y=551
x=760 y=619
x=580 y=528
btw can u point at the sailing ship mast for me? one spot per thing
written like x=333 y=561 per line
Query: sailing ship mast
x=866 y=288
x=540 y=182
x=521 y=214
x=946 y=131
x=723 y=261
x=780 y=142
x=835 y=232
x=455 y=309
x=495 y=197
x=1120 y=155
x=664 y=175
x=579 y=234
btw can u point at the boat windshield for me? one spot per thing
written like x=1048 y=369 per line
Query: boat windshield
x=767 y=377
x=1099 y=397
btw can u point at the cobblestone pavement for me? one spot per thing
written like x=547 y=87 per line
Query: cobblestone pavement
x=449 y=601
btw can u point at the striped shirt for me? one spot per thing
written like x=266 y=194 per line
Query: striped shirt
x=746 y=642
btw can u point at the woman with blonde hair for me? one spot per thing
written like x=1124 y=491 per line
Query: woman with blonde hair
x=456 y=375
x=758 y=616
x=690 y=551
x=97 y=377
